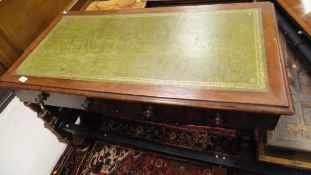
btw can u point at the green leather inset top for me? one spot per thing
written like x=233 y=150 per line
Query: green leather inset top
x=198 y=49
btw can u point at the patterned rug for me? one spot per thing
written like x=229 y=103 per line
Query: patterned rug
x=104 y=159
x=220 y=141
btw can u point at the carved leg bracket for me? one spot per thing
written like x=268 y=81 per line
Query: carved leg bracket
x=55 y=118
x=51 y=122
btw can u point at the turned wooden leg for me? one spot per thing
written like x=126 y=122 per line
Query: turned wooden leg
x=56 y=117
x=80 y=141
x=50 y=122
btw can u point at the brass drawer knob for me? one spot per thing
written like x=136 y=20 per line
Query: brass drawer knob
x=85 y=106
x=149 y=112
x=41 y=98
x=218 y=119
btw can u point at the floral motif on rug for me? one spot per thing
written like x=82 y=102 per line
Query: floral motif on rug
x=114 y=160
x=226 y=142
x=108 y=159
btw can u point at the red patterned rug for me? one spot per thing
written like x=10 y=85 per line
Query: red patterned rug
x=104 y=159
x=220 y=141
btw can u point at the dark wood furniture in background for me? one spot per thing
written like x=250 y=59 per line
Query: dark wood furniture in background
x=294 y=18
x=300 y=11
x=21 y=22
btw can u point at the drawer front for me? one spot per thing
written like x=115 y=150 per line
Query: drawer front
x=53 y=99
x=175 y=114
x=156 y=112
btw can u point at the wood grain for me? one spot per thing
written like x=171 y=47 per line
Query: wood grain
x=8 y=52
x=300 y=11
x=294 y=159
x=21 y=22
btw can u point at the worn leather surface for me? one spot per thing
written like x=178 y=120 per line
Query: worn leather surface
x=200 y=49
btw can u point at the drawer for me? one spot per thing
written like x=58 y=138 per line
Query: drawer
x=176 y=114
x=156 y=112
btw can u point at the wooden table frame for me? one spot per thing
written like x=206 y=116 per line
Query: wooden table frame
x=276 y=101
x=232 y=109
